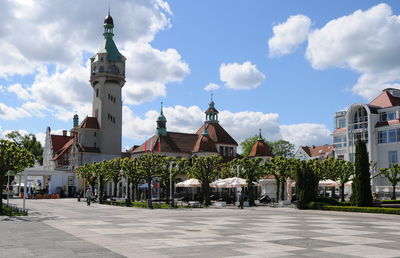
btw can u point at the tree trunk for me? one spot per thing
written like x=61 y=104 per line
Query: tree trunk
x=206 y=194
x=128 y=189
x=1 y=191
x=167 y=190
x=278 y=183
x=251 y=195
x=394 y=191
x=342 y=192
x=283 y=189
x=149 y=199
x=115 y=182
x=101 y=190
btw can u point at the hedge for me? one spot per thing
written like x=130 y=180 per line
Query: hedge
x=362 y=209
x=390 y=201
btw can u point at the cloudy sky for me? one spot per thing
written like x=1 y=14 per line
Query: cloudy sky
x=284 y=66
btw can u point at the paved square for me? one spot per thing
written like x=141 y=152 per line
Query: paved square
x=66 y=228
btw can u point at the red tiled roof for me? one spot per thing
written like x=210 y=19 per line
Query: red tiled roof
x=391 y=122
x=66 y=147
x=340 y=130
x=173 y=142
x=58 y=141
x=217 y=133
x=204 y=144
x=260 y=149
x=316 y=151
x=385 y=99
x=90 y=122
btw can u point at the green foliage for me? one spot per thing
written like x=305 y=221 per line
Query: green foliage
x=393 y=175
x=306 y=184
x=363 y=209
x=279 y=148
x=8 y=211
x=205 y=169
x=282 y=148
x=362 y=195
x=148 y=167
x=29 y=142
x=247 y=144
x=338 y=170
x=13 y=157
x=251 y=170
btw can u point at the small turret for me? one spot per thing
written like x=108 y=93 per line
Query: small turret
x=211 y=113
x=161 y=123
x=76 y=120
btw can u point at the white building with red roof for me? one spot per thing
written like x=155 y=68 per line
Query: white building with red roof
x=378 y=123
x=210 y=139
x=315 y=152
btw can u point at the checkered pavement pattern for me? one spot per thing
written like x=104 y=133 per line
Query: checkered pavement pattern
x=252 y=232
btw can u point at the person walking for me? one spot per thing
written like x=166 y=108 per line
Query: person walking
x=89 y=196
x=241 y=200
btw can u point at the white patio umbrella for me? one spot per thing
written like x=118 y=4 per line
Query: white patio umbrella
x=192 y=182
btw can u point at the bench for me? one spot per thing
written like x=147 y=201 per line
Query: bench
x=194 y=204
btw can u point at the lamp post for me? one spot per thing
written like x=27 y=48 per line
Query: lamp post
x=236 y=188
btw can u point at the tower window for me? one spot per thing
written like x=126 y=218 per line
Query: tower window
x=94 y=134
x=94 y=145
x=97 y=93
x=109 y=96
x=101 y=70
x=101 y=59
x=114 y=69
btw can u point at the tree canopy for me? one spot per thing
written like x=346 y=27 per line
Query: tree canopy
x=29 y=142
x=13 y=157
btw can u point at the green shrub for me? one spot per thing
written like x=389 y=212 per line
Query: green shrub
x=390 y=201
x=363 y=209
x=316 y=205
x=328 y=200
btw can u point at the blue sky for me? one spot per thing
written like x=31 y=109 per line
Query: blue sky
x=283 y=66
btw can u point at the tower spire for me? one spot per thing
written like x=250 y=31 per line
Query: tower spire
x=259 y=135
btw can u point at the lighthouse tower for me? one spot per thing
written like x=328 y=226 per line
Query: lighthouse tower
x=107 y=78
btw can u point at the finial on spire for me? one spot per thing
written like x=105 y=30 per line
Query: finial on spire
x=259 y=135
x=109 y=7
x=212 y=94
x=161 y=107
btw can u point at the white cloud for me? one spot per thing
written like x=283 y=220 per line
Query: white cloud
x=211 y=87
x=241 y=76
x=240 y=125
x=364 y=41
x=306 y=134
x=18 y=90
x=34 y=42
x=288 y=35
x=10 y=113
x=149 y=70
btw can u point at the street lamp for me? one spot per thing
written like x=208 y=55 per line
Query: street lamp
x=237 y=175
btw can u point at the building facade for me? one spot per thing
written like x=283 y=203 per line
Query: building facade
x=210 y=139
x=378 y=124
x=98 y=137
x=315 y=152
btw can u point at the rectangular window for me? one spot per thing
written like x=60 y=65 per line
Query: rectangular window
x=392 y=158
x=95 y=134
x=221 y=150
x=392 y=135
x=391 y=116
x=398 y=134
x=97 y=93
x=383 y=117
x=341 y=123
x=382 y=137
x=340 y=157
x=351 y=156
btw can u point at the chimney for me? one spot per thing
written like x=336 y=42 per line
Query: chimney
x=64 y=132
x=313 y=146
